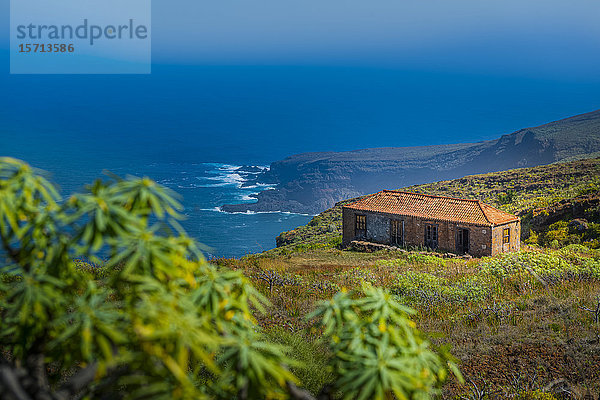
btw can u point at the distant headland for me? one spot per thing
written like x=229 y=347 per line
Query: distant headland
x=313 y=182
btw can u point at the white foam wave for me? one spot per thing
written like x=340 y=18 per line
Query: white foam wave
x=215 y=209
x=248 y=197
x=249 y=212
x=264 y=186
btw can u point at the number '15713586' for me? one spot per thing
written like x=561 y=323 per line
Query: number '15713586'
x=46 y=48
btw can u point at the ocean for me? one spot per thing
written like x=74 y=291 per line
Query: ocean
x=191 y=127
x=203 y=187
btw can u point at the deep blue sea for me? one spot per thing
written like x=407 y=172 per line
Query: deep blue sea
x=189 y=127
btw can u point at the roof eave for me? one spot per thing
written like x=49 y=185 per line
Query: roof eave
x=423 y=217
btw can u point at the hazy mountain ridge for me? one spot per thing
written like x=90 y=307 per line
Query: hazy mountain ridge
x=313 y=182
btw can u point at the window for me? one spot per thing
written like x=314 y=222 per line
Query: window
x=505 y=235
x=361 y=225
x=431 y=232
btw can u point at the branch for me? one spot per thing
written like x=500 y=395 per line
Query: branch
x=37 y=370
x=14 y=254
x=298 y=394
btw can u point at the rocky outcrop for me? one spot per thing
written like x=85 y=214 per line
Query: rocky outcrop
x=579 y=210
x=313 y=182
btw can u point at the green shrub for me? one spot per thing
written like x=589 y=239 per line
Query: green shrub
x=379 y=353
x=536 y=395
x=313 y=368
x=426 y=288
x=507 y=197
x=533 y=238
x=569 y=263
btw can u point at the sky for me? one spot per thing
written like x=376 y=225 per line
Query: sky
x=510 y=36
x=264 y=79
x=550 y=38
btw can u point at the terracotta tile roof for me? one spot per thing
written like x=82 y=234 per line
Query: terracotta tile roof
x=432 y=207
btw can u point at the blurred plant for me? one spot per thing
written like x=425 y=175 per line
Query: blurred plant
x=153 y=324
x=378 y=353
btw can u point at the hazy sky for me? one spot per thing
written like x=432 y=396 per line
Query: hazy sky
x=547 y=37
x=384 y=29
x=553 y=38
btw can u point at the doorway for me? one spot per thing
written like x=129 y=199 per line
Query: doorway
x=462 y=241
x=397 y=232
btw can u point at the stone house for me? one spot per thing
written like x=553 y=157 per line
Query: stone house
x=437 y=222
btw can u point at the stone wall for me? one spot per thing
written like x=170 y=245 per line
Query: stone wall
x=481 y=242
x=515 y=238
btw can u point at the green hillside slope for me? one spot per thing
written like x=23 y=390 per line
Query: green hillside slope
x=532 y=193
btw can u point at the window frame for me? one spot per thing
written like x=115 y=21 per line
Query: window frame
x=506 y=235
x=360 y=220
x=431 y=232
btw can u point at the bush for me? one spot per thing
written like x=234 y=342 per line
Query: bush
x=572 y=262
x=380 y=354
x=507 y=197
x=427 y=288
x=313 y=369
x=535 y=395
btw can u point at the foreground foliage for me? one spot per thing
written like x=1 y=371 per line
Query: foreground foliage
x=156 y=320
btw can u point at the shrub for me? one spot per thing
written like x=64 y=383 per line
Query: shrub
x=379 y=352
x=568 y=263
x=535 y=395
x=507 y=197
x=533 y=238
x=427 y=288
x=313 y=369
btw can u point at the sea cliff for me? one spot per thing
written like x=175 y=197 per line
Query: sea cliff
x=313 y=182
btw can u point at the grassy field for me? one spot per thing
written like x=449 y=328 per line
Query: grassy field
x=522 y=325
x=517 y=323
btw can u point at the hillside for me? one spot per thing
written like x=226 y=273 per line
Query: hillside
x=522 y=325
x=313 y=182
x=535 y=194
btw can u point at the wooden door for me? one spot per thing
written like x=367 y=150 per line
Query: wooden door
x=462 y=240
x=396 y=232
x=431 y=236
